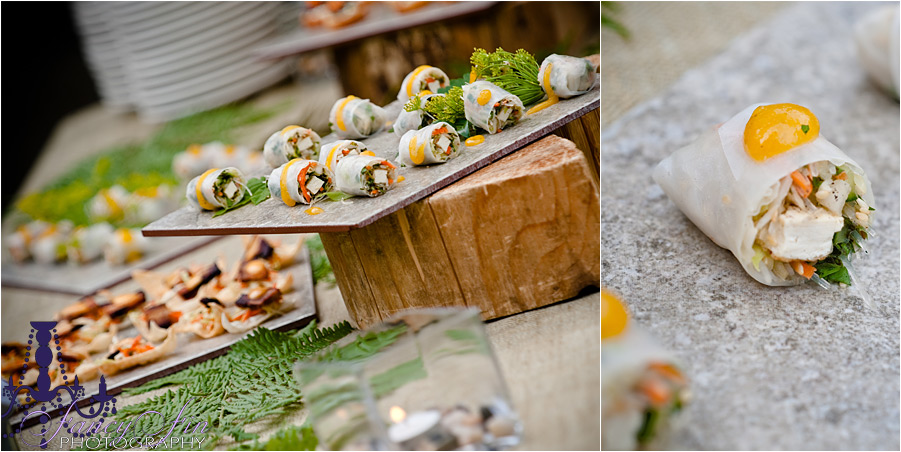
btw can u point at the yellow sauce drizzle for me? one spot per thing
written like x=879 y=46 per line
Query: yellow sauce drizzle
x=370 y=153
x=551 y=96
x=331 y=154
x=339 y=121
x=314 y=210
x=415 y=74
x=115 y=210
x=613 y=315
x=774 y=129
x=400 y=178
x=195 y=149
x=472 y=75
x=417 y=154
x=229 y=150
x=484 y=97
x=475 y=140
x=424 y=93
x=200 y=199
x=283 y=184
x=126 y=235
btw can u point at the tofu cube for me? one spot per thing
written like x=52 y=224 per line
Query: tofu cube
x=833 y=194
x=314 y=184
x=230 y=190
x=380 y=176
x=305 y=143
x=802 y=234
x=443 y=143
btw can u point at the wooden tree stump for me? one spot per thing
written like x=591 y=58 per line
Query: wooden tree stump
x=521 y=233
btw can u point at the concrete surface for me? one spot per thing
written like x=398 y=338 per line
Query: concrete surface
x=771 y=368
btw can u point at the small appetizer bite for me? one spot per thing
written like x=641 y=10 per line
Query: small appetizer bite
x=216 y=188
x=125 y=245
x=50 y=246
x=765 y=185
x=877 y=38
x=333 y=152
x=436 y=143
x=423 y=78
x=136 y=351
x=19 y=243
x=253 y=308
x=365 y=175
x=352 y=118
x=300 y=181
x=415 y=115
x=642 y=387
x=562 y=76
x=87 y=242
x=490 y=107
x=292 y=142
x=108 y=204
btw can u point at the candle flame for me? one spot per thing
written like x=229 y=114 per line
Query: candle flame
x=397 y=414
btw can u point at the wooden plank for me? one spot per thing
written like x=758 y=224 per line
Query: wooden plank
x=532 y=225
x=349 y=274
x=585 y=133
x=274 y=217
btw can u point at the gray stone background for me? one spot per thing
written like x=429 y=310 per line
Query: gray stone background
x=771 y=368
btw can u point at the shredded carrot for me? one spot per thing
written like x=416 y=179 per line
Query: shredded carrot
x=388 y=164
x=803 y=183
x=301 y=179
x=655 y=390
x=842 y=176
x=441 y=130
x=804 y=269
x=668 y=371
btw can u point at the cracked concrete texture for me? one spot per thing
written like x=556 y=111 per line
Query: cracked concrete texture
x=771 y=368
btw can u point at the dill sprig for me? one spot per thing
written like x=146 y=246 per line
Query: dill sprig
x=514 y=72
x=415 y=103
x=447 y=108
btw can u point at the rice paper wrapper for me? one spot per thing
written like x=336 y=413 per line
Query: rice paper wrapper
x=348 y=174
x=482 y=115
x=332 y=153
x=87 y=243
x=411 y=120
x=431 y=154
x=418 y=78
x=279 y=150
x=877 y=39
x=360 y=118
x=624 y=359
x=206 y=187
x=720 y=188
x=570 y=76
x=291 y=183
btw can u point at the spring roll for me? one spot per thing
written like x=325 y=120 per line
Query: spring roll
x=436 y=143
x=784 y=200
x=86 y=243
x=877 y=37
x=292 y=142
x=415 y=119
x=490 y=107
x=125 y=245
x=216 y=188
x=365 y=175
x=50 y=246
x=108 y=204
x=334 y=152
x=352 y=118
x=641 y=384
x=421 y=79
x=568 y=76
x=150 y=203
x=300 y=181
x=190 y=162
x=19 y=243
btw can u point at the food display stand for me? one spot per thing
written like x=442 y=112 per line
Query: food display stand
x=520 y=218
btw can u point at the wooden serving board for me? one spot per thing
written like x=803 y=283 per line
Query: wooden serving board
x=192 y=349
x=274 y=217
x=88 y=278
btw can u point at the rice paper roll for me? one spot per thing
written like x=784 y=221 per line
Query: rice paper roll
x=423 y=78
x=332 y=153
x=86 y=243
x=365 y=175
x=149 y=204
x=216 y=188
x=756 y=209
x=125 y=246
x=50 y=246
x=436 y=143
x=416 y=119
x=190 y=162
x=640 y=381
x=569 y=76
x=108 y=204
x=300 y=181
x=19 y=243
x=352 y=118
x=490 y=107
x=877 y=37
x=292 y=142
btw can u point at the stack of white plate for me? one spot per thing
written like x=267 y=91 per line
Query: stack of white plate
x=171 y=59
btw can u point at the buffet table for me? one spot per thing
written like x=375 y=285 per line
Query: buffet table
x=772 y=368
x=564 y=335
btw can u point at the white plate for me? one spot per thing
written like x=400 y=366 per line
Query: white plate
x=198 y=85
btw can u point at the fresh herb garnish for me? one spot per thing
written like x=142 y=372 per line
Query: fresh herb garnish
x=259 y=190
x=514 y=72
x=229 y=206
x=817 y=181
x=844 y=243
x=852 y=197
x=338 y=195
x=805 y=128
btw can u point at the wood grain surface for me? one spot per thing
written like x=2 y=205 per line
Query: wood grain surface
x=519 y=234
